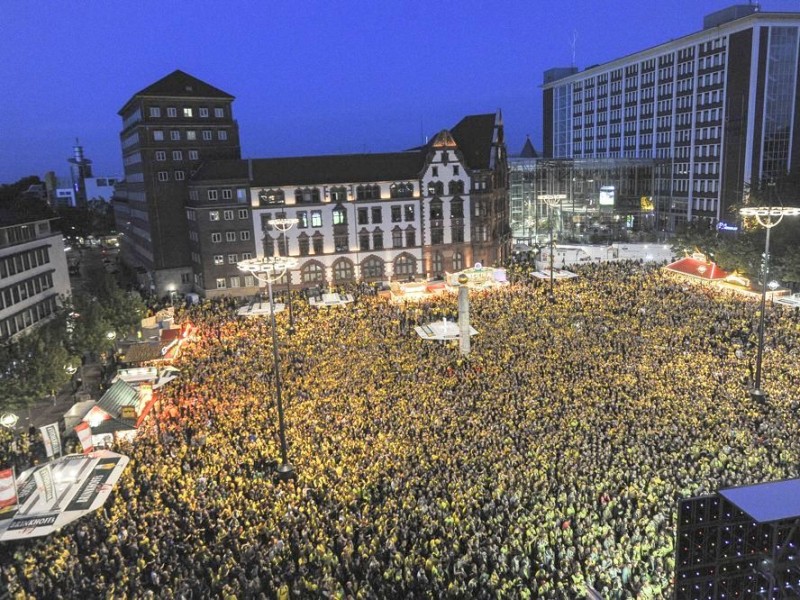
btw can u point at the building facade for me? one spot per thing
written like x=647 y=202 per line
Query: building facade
x=189 y=208
x=719 y=104
x=33 y=275
x=168 y=129
x=360 y=217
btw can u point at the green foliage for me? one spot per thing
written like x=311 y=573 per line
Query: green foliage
x=33 y=366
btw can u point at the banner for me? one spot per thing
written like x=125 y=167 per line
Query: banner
x=85 y=436
x=52 y=439
x=8 y=489
x=44 y=482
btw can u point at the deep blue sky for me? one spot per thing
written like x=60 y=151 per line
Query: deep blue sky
x=310 y=77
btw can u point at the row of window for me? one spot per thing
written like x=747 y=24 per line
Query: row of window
x=190 y=135
x=23 y=261
x=186 y=112
x=161 y=155
x=309 y=195
x=27 y=317
x=230 y=236
x=227 y=215
x=219 y=259
x=21 y=291
x=367 y=240
x=224 y=194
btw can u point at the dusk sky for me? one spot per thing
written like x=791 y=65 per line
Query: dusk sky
x=309 y=77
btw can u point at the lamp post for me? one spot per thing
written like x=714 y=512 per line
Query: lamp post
x=284 y=225
x=552 y=200
x=269 y=270
x=768 y=217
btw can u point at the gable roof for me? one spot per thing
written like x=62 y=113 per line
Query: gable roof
x=528 y=151
x=180 y=85
x=699 y=269
x=309 y=170
x=475 y=136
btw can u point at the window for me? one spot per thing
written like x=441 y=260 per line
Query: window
x=219 y=113
x=213 y=194
x=187 y=112
x=318 y=243
x=155 y=111
x=247 y=255
x=216 y=238
x=227 y=215
x=244 y=235
x=230 y=236
x=220 y=283
x=191 y=135
x=457 y=234
x=363 y=216
x=158 y=135
x=316 y=218
x=435 y=188
x=458 y=261
x=312 y=272
x=218 y=259
x=207 y=136
x=397 y=238
x=235 y=281
x=233 y=259
x=186 y=278
x=193 y=155
x=243 y=213
x=455 y=170
x=203 y=112
x=174 y=135
x=227 y=194
x=306 y=195
x=435 y=171
x=437 y=213
x=193 y=195
x=213 y=215
x=343 y=270
x=405 y=265
x=177 y=155
x=396 y=214
x=377 y=239
x=161 y=155
x=339 y=216
x=222 y=135
x=411 y=238
x=340 y=243
x=302 y=219
x=401 y=190
x=372 y=268
x=368 y=192
x=456 y=186
x=180 y=175
x=363 y=241
x=456 y=208
x=409 y=212
x=172 y=111
x=377 y=215
x=437 y=264
x=163 y=175
x=338 y=194
x=270 y=197
x=303 y=243
x=437 y=235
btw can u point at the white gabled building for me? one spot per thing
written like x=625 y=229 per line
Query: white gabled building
x=361 y=217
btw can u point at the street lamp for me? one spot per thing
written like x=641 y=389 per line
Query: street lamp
x=284 y=225
x=552 y=200
x=269 y=270
x=768 y=217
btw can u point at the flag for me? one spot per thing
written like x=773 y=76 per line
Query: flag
x=8 y=489
x=44 y=481
x=85 y=436
x=52 y=439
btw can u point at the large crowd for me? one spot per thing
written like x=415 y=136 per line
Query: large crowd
x=548 y=461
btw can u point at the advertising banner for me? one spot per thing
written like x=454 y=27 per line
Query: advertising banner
x=8 y=489
x=52 y=439
x=85 y=436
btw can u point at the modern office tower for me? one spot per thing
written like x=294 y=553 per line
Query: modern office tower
x=720 y=105
x=33 y=275
x=168 y=129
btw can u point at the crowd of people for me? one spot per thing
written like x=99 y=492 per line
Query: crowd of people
x=547 y=462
